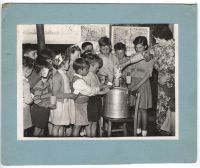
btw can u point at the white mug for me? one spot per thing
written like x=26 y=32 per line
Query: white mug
x=45 y=72
x=128 y=79
x=53 y=100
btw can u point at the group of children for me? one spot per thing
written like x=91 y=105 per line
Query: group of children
x=64 y=92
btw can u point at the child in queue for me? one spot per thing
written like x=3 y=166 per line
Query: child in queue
x=141 y=72
x=83 y=90
x=109 y=60
x=42 y=92
x=28 y=64
x=63 y=116
x=94 y=107
x=73 y=52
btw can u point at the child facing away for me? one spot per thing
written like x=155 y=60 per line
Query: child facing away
x=64 y=115
x=73 y=52
x=141 y=72
x=81 y=68
x=28 y=64
x=109 y=60
x=42 y=92
x=45 y=55
x=94 y=107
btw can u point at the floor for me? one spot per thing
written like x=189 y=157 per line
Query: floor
x=151 y=128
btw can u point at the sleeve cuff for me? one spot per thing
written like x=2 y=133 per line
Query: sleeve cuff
x=76 y=92
x=109 y=83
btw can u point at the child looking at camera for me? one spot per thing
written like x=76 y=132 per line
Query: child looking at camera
x=141 y=72
x=87 y=46
x=109 y=60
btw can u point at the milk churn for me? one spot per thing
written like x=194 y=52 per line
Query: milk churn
x=116 y=103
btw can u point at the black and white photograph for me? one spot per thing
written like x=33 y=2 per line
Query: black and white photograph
x=97 y=81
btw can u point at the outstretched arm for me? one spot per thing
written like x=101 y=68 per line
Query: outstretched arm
x=133 y=59
x=56 y=89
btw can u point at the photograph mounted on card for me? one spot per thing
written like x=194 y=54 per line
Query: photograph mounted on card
x=82 y=82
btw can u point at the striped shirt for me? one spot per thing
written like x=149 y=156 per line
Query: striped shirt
x=42 y=93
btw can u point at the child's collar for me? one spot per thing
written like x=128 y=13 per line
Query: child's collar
x=80 y=76
x=25 y=78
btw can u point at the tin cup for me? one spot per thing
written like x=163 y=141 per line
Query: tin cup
x=128 y=79
x=53 y=100
x=116 y=82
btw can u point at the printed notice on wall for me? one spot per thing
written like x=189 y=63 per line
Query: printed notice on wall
x=126 y=35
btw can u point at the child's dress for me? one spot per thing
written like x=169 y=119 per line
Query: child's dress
x=27 y=100
x=64 y=114
x=80 y=87
x=138 y=72
x=40 y=111
x=70 y=73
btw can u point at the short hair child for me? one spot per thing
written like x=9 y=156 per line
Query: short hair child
x=46 y=54
x=80 y=63
x=85 y=45
x=30 y=53
x=94 y=58
x=104 y=41
x=42 y=64
x=28 y=62
x=81 y=87
x=85 y=53
x=109 y=60
x=120 y=46
x=141 y=40
x=93 y=112
x=141 y=82
x=72 y=49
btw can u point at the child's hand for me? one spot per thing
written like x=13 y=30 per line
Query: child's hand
x=134 y=88
x=105 y=91
x=134 y=93
x=103 y=86
x=74 y=96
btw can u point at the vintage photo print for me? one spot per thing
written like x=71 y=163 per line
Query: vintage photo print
x=97 y=81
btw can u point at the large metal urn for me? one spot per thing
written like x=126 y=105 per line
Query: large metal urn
x=116 y=103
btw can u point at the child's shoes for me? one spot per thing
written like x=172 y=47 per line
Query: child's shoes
x=139 y=130
x=144 y=132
